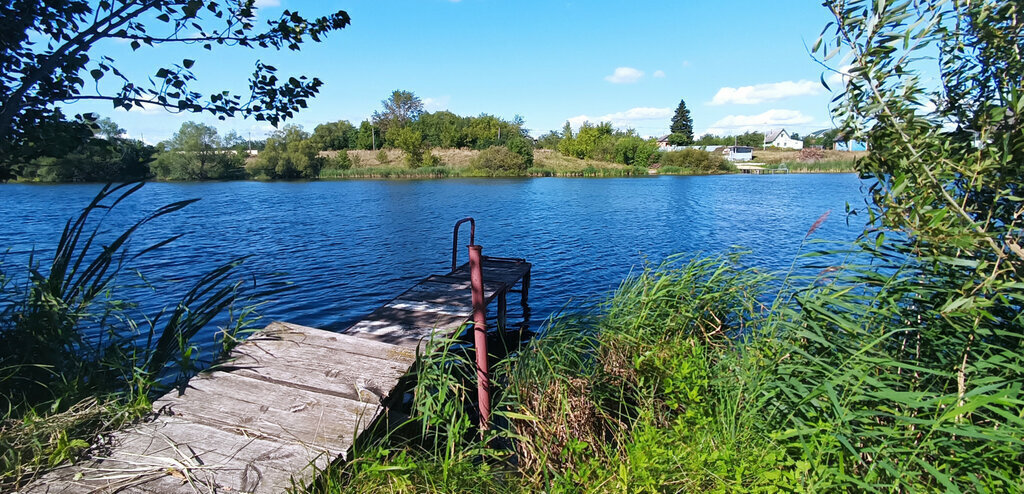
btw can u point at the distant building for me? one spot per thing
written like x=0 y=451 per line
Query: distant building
x=850 y=145
x=739 y=153
x=781 y=139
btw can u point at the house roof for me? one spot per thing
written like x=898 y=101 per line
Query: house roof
x=774 y=134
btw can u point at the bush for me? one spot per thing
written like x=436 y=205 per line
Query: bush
x=341 y=161
x=695 y=160
x=410 y=141
x=522 y=147
x=430 y=160
x=500 y=160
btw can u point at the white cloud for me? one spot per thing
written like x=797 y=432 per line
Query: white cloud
x=760 y=93
x=436 y=104
x=839 y=78
x=147 y=109
x=625 y=75
x=733 y=124
x=658 y=73
x=625 y=119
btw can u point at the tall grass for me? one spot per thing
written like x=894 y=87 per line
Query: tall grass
x=74 y=358
x=831 y=166
x=700 y=375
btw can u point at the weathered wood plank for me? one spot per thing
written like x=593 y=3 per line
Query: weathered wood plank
x=173 y=456
x=346 y=372
x=304 y=336
x=262 y=409
x=406 y=327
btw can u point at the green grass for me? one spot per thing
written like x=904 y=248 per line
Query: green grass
x=834 y=166
x=701 y=375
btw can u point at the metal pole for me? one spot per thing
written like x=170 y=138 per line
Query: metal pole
x=483 y=384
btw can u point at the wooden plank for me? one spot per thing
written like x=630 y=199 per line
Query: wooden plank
x=345 y=372
x=405 y=327
x=262 y=409
x=304 y=336
x=438 y=289
x=177 y=456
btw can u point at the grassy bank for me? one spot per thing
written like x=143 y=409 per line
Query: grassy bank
x=455 y=163
x=701 y=375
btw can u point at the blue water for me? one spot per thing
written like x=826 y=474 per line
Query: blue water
x=350 y=246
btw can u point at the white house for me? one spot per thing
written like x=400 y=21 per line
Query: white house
x=781 y=139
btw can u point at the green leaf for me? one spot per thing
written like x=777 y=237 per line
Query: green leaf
x=188 y=63
x=96 y=74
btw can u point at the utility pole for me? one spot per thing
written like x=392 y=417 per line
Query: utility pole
x=373 y=137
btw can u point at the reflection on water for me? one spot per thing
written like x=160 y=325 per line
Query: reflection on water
x=350 y=246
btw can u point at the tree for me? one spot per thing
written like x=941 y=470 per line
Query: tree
x=289 y=153
x=334 y=136
x=107 y=128
x=682 y=127
x=196 y=152
x=549 y=140
x=918 y=347
x=367 y=137
x=400 y=109
x=46 y=58
x=410 y=141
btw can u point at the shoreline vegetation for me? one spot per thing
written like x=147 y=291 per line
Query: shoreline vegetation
x=460 y=163
x=403 y=141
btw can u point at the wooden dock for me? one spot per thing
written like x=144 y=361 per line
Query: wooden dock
x=287 y=402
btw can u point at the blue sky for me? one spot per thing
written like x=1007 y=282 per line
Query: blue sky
x=739 y=65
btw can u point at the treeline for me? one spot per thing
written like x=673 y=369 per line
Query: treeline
x=198 y=152
x=76 y=151
x=603 y=142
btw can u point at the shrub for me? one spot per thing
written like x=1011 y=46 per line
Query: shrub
x=341 y=161
x=430 y=160
x=410 y=141
x=522 y=147
x=695 y=160
x=500 y=160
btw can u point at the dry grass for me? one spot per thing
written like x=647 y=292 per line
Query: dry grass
x=36 y=443
x=361 y=158
x=777 y=156
x=565 y=416
x=553 y=160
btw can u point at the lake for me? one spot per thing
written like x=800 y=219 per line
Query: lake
x=350 y=246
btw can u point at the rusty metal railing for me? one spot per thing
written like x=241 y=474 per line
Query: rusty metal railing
x=455 y=239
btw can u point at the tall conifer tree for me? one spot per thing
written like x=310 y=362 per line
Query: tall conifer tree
x=682 y=127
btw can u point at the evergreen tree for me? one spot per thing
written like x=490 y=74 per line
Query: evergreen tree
x=682 y=127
